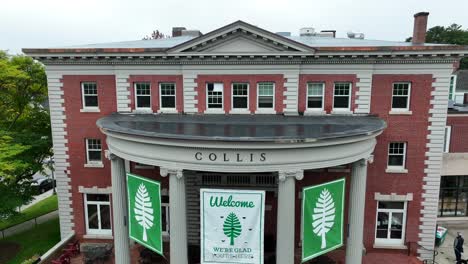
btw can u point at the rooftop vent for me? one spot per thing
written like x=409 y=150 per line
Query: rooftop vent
x=191 y=32
x=177 y=31
x=327 y=33
x=284 y=34
x=354 y=35
x=307 y=31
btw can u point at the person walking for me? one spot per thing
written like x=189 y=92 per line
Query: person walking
x=458 y=247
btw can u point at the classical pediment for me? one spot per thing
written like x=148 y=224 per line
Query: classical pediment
x=241 y=38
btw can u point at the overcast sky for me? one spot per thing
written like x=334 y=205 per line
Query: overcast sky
x=54 y=23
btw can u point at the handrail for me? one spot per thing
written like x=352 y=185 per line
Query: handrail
x=425 y=261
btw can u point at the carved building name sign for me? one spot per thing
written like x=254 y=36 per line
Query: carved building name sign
x=230 y=157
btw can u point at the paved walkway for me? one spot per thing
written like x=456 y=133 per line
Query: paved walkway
x=28 y=224
x=446 y=254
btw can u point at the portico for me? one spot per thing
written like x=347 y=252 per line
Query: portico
x=284 y=145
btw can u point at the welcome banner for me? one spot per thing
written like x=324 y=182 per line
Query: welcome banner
x=232 y=226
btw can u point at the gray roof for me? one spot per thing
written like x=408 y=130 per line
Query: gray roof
x=242 y=128
x=311 y=41
x=462 y=81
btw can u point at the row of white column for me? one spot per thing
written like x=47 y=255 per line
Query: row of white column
x=285 y=219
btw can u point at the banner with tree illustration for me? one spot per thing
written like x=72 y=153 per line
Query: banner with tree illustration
x=232 y=226
x=322 y=218
x=144 y=211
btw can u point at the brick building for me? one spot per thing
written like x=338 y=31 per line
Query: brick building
x=242 y=107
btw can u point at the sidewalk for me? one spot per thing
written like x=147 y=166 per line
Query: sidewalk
x=446 y=253
x=28 y=224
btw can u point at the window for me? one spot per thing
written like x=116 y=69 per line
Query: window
x=167 y=95
x=97 y=214
x=401 y=96
x=391 y=223
x=93 y=151
x=240 y=96
x=165 y=214
x=396 y=155
x=266 y=94
x=315 y=96
x=142 y=96
x=342 y=96
x=452 y=88
x=453 y=197
x=89 y=95
x=448 y=132
x=214 y=95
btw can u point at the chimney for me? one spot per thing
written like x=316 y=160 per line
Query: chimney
x=420 y=27
x=177 y=31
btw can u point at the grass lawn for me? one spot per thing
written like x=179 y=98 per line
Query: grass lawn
x=34 y=241
x=45 y=206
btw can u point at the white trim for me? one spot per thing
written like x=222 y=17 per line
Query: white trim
x=265 y=110
x=339 y=110
x=397 y=169
x=85 y=108
x=320 y=110
x=167 y=109
x=90 y=110
x=408 y=101
x=389 y=242
x=454 y=87
x=98 y=236
x=142 y=109
x=240 y=110
x=386 y=246
x=98 y=204
x=447 y=136
x=393 y=197
x=214 y=109
x=308 y=112
x=393 y=112
x=166 y=207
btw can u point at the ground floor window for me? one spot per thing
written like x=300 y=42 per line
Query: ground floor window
x=97 y=214
x=453 y=197
x=391 y=223
x=165 y=214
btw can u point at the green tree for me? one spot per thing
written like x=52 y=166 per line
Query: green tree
x=453 y=34
x=232 y=227
x=25 y=135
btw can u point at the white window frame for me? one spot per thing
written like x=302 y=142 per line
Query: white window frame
x=265 y=110
x=401 y=168
x=240 y=110
x=215 y=109
x=92 y=163
x=98 y=203
x=342 y=109
x=85 y=108
x=391 y=241
x=308 y=95
x=448 y=133
x=137 y=108
x=454 y=87
x=408 y=101
x=165 y=206
x=167 y=109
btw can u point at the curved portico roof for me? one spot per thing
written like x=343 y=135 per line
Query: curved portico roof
x=241 y=128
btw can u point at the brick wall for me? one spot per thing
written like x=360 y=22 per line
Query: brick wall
x=81 y=126
x=459 y=133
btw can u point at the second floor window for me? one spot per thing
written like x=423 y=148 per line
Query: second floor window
x=214 y=95
x=89 y=95
x=167 y=95
x=240 y=95
x=342 y=96
x=266 y=95
x=93 y=151
x=448 y=132
x=396 y=155
x=142 y=96
x=315 y=96
x=400 y=96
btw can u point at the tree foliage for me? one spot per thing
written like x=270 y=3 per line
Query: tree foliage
x=453 y=34
x=155 y=35
x=25 y=135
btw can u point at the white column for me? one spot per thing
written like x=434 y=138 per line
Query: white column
x=177 y=216
x=357 y=203
x=286 y=216
x=119 y=211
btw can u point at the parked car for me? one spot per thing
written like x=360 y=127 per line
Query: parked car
x=43 y=184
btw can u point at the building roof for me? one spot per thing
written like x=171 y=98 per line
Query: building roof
x=242 y=128
x=295 y=43
x=462 y=81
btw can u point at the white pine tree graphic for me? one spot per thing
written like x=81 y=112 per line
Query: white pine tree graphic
x=143 y=209
x=324 y=215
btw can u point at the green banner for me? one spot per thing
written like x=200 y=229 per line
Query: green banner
x=322 y=218
x=144 y=212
